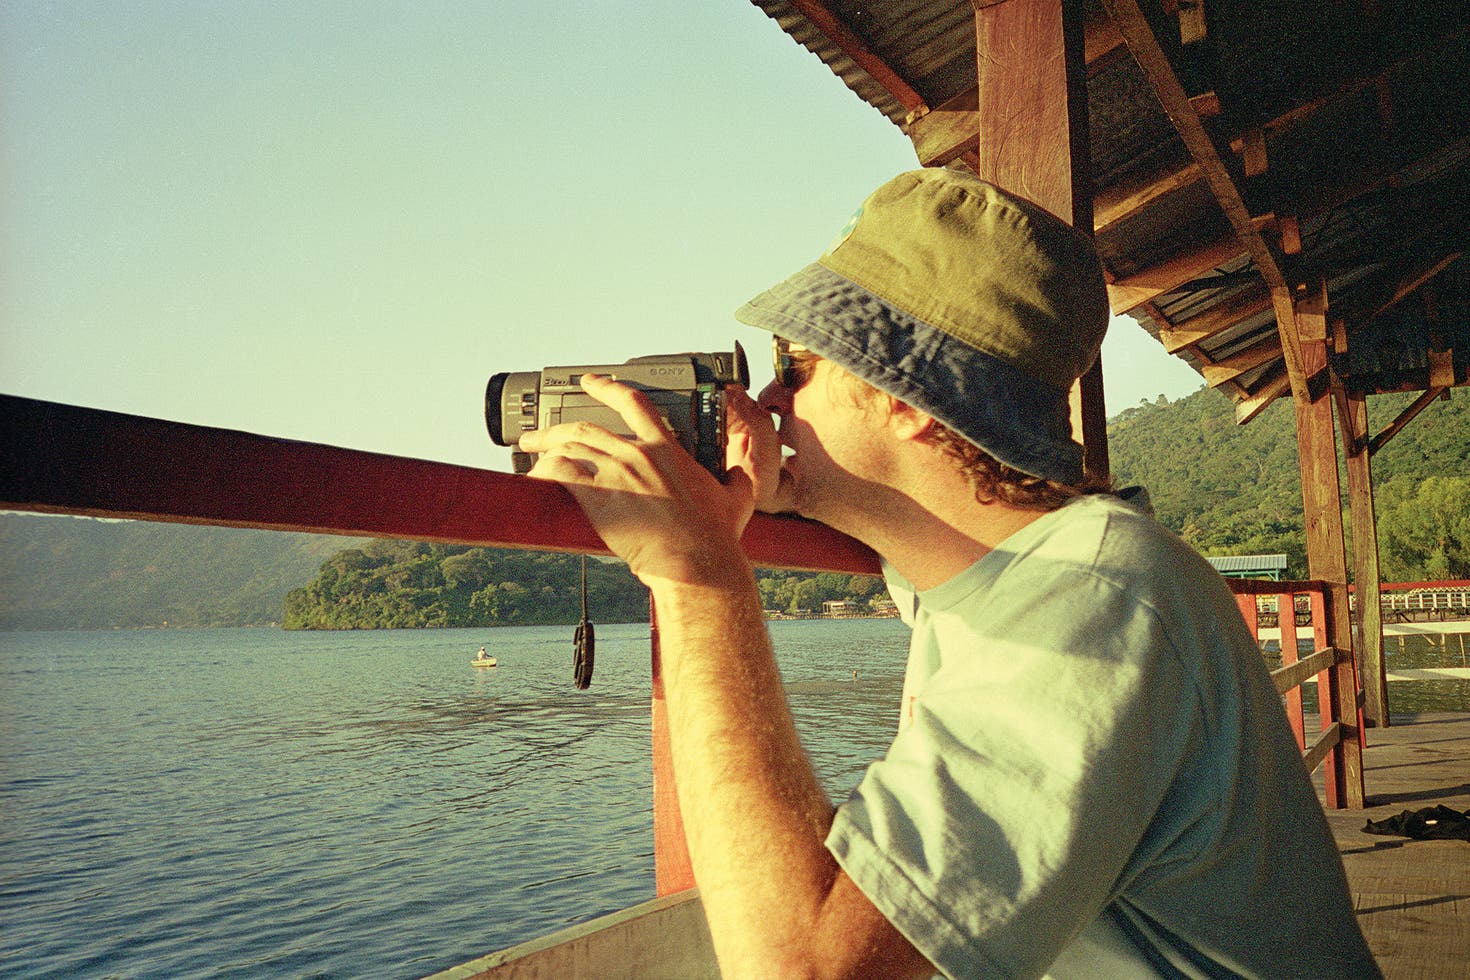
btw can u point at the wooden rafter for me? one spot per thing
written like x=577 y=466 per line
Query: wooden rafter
x=1263 y=351
x=1117 y=203
x=1266 y=212
x=1404 y=418
x=1390 y=159
x=1215 y=320
x=1165 y=83
x=1404 y=279
x=1377 y=78
x=1270 y=387
x=1120 y=202
x=1127 y=293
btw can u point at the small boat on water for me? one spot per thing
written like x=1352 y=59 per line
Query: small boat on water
x=482 y=659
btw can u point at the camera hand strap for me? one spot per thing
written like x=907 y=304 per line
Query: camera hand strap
x=585 y=641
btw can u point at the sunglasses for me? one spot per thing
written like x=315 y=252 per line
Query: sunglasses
x=792 y=363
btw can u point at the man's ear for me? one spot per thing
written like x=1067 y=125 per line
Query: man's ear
x=908 y=422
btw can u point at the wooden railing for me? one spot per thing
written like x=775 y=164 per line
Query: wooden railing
x=1339 y=696
x=61 y=459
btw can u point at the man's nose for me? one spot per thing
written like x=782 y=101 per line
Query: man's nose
x=775 y=398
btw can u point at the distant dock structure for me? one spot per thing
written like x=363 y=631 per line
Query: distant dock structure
x=1268 y=567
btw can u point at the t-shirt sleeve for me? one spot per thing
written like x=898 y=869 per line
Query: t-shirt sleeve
x=1005 y=813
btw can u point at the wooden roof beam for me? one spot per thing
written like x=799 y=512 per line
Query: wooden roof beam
x=1161 y=77
x=1130 y=292
x=1215 y=320
x=1117 y=203
x=1392 y=158
x=1379 y=79
x=1122 y=201
x=1409 y=277
x=1405 y=417
x=1272 y=386
x=945 y=132
x=1266 y=349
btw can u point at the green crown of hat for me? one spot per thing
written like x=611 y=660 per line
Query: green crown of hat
x=988 y=268
x=961 y=300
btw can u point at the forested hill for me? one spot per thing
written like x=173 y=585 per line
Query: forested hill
x=1236 y=490
x=79 y=573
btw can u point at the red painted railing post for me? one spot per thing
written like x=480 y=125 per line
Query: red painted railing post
x=672 y=870
x=1286 y=626
x=1250 y=612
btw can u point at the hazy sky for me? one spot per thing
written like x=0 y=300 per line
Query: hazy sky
x=333 y=221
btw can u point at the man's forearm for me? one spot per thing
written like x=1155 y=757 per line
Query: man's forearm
x=753 y=811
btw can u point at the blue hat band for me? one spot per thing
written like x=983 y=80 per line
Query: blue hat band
x=1022 y=422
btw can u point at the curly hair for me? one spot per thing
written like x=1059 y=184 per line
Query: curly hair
x=993 y=480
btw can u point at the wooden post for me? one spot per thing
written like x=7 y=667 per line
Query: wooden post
x=1366 y=575
x=1305 y=318
x=1031 y=72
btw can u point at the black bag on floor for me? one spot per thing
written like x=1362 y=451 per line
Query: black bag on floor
x=1431 y=823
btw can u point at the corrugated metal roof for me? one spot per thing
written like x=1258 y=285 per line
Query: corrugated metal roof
x=1248 y=563
x=1360 y=119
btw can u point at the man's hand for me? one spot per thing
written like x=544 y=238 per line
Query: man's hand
x=753 y=446
x=653 y=505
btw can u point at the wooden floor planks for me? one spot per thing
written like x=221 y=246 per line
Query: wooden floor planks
x=1412 y=896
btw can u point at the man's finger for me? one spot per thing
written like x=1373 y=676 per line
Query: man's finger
x=564 y=468
x=636 y=410
x=568 y=433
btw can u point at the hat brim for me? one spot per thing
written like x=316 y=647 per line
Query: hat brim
x=1019 y=420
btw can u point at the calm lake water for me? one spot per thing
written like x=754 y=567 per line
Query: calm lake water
x=260 y=803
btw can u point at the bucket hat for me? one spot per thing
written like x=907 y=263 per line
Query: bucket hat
x=962 y=300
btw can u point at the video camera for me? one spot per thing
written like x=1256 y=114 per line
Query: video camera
x=687 y=390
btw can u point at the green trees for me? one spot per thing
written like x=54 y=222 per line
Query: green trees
x=1424 y=529
x=1236 y=490
x=399 y=585
x=793 y=592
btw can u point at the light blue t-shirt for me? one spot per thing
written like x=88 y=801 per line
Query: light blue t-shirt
x=1093 y=773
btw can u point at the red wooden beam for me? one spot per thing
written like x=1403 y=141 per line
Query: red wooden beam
x=63 y=459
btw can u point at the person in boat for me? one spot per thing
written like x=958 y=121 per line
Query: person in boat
x=482 y=655
x=1093 y=775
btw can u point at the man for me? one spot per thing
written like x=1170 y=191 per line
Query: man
x=1093 y=775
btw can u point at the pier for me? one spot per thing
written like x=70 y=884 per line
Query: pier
x=1412 y=896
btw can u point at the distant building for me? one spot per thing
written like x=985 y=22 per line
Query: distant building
x=1269 y=567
